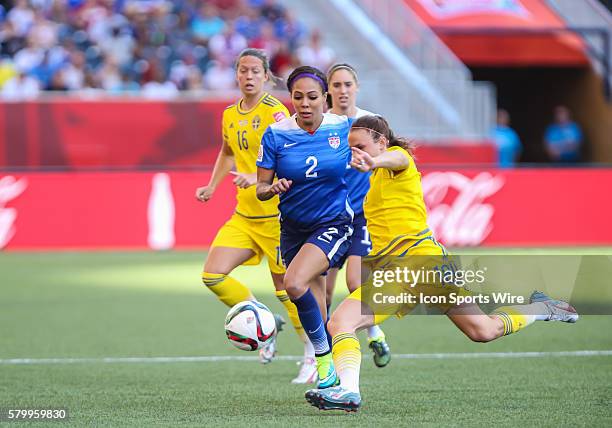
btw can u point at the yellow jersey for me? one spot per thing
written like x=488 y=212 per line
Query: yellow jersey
x=394 y=207
x=242 y=132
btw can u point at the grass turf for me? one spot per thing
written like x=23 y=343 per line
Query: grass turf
x=59 y=305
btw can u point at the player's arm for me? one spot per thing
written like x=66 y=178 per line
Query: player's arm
x=394 y=160
x=223 y=165
x=267 y=188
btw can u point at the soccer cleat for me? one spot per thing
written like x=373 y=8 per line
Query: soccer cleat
x=267 y=353
x=308 y=372
x=382 y=353
x=331 y=379
x=336 y=398
x=559 y=310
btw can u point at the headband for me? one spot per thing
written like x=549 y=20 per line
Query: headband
x=369 y=129
x=312 y=76
x=346 y=67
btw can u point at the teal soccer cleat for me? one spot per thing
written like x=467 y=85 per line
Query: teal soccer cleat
x=336 y=398
x=330 y=380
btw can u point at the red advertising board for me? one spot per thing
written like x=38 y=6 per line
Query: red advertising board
x=140 y=210
x=78 y=134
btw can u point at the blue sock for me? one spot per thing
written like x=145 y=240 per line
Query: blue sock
x=329 y=338
x=312 y=321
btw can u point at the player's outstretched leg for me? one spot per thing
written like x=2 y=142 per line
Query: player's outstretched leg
x=506 y=320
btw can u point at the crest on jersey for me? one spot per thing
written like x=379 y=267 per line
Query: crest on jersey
x=334 y=140
x=256 y=122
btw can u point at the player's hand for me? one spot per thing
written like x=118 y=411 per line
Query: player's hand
x=203 y=194
x=281 y=186
x=361 y=160
x=244 y=180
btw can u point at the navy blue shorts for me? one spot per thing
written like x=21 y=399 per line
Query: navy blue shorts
x=360 y=240
x=333 y=238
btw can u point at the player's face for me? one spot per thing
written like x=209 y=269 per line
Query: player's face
x=308 y=101
x=251 y=75
x=362 y=140
x=343 y=89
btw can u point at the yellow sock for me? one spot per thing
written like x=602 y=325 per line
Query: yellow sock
x=347 y=360
x=227 y=289
x=292 y=312
x=513 y=318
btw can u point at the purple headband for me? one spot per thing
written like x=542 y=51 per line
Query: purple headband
x=312 y=76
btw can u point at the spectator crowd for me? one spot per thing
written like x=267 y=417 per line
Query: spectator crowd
x=154 y=47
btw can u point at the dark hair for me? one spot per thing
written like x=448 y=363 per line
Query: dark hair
x=330 y=73
x=306 y=69
x=263 y=57
x=378 y=126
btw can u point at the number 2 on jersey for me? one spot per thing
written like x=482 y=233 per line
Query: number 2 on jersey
x=310 y=172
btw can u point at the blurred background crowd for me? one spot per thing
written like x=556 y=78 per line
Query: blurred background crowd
x=155 y=47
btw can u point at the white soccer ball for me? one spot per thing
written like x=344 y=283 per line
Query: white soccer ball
x=250 y=325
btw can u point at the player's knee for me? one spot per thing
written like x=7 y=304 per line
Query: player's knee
x=481 y=334
x=295 y=286
x=210 y=278
x=339 y=324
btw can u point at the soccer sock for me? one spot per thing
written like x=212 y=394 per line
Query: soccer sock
x=518 y=317
x=347 y=360
x=227 y=289
x=329 y=338
x=375 y=333
x=312 y=321
x=292 y=311
x=309 y=351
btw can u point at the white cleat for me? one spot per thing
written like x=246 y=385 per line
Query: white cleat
x=308 y=372
x=268 y=352
x=558 y=309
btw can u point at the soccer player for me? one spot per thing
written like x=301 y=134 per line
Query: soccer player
x=397 y=222
x=343 y=88
x=253 y=230
x=308 y=153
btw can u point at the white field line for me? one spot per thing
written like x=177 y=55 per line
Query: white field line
x=220 y=358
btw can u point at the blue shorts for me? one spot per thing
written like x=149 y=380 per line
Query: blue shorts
x=333 y=238
x=360 y=241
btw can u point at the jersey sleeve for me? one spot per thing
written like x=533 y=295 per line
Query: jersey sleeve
x=266 y=158
x=224 y=129
x=396 y=172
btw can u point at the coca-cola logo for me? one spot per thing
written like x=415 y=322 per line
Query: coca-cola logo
x=457 y=212
x=10 y=188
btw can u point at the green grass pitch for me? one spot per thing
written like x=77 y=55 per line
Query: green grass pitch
x=94 y=305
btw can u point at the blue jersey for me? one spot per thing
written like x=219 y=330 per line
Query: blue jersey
x=316 y=163
x=358 y=183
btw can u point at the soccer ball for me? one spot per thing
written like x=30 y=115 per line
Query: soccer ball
x=250 y=325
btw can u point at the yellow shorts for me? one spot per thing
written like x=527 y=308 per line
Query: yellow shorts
x=262 y=236
x=429 y=255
